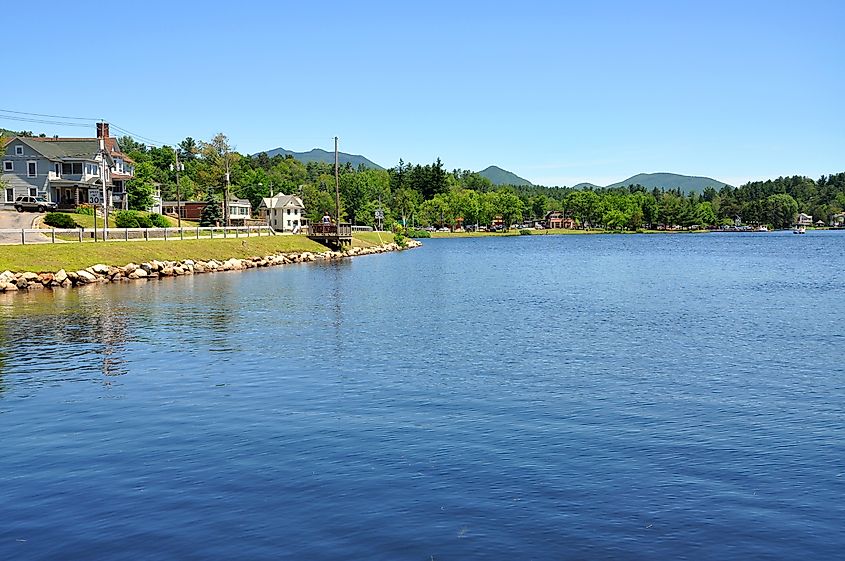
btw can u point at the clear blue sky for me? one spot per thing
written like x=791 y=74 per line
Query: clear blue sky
x=557 y=92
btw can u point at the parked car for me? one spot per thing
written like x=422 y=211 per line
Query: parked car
x=32 y=204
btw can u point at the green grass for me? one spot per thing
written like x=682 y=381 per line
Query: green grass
x=473 y=234
x=369 y=239
x=74 y=256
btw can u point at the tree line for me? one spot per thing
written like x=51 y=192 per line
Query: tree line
x=429 y=195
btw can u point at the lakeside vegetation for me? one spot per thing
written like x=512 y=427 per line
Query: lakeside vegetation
x=429 y=195
x=74 y=256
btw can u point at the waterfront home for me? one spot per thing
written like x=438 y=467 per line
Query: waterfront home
x=283 y=213
x=804 y=220
x=557 y=219
x=66 y=171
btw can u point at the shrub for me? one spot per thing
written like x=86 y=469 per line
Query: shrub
x=143 y=221
x=413 y=233
x=400 y=239
x=85 y=209
x=135 y=219
x=60 y=220
x=126 y=219
x=524 y=232
x=159 y=221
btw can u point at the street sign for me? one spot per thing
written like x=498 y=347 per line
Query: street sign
x=380 y=214
x=95 y=197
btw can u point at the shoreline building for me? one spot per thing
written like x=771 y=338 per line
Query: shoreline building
x=67 y=171
x=283 y=213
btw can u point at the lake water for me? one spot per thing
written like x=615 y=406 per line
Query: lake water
x=542 y=397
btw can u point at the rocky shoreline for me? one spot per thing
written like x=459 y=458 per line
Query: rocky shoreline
x=24 y=281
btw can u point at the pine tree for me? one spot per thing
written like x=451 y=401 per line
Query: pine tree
x=212 y=214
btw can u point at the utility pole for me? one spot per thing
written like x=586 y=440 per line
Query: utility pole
x=226 y=189
x=337 y=186
x=179 y=167
x=103 y=181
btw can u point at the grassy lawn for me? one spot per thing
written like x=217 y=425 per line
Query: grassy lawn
x=559 y=232
x=369 y=239
x=87 y=221
x=473 y=234
x=74 y=256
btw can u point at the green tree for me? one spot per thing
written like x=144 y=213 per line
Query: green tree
x=780 y=210
x=212 y=214
x=188 y=149
x=141 y=188
x=510 y=206
x=405 y=203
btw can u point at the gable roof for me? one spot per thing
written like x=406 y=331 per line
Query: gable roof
x=282 y=201
x=62 y=149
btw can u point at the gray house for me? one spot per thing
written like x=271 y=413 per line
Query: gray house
x=65 y=170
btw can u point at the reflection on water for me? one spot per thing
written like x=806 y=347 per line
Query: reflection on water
x=582 y=397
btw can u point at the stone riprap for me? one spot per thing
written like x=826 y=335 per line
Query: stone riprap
x=99 y=273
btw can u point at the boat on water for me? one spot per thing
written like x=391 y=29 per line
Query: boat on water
x=799 y=230
x=761 y=228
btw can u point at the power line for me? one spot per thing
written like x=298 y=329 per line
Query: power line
x=51 y=116
x=90 y=120
x=43 y=121
x=136 y=135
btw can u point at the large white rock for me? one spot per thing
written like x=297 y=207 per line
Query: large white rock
x=86 y=276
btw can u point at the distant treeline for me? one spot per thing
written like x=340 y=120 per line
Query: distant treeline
x=430 y=195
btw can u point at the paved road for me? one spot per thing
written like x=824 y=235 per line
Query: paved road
x=18 y=220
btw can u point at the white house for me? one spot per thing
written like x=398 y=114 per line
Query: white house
x=239 y=212
x=804 y=219
x=284 y=213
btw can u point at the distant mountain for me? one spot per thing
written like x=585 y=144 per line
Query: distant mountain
x=686 y=183
x=318 y=155
x=586 y=186
x=499 y=176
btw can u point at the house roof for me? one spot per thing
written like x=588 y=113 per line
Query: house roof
x=282 y=201
x=112 y=145
x=63 y=149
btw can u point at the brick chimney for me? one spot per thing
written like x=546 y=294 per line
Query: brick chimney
x=102 y=130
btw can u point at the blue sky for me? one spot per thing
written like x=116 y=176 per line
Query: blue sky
x=557 y=92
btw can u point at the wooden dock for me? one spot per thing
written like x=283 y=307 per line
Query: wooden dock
x=332 y=235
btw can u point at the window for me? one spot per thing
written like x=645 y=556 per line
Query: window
x=31 y=169
x=18 y=150
x=58 y=169
x=77 y=168
x=67 y=169
x=10 y=195
x=33 y=192
x=288 y=214
x=8 y=165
